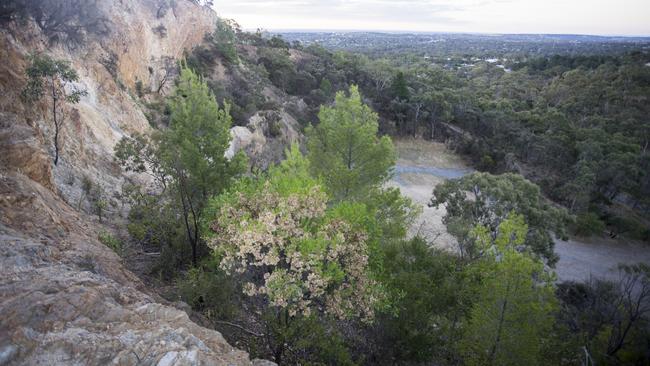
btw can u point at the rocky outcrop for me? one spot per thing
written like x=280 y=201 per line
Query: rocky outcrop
x=265 y=138
x=65 y=298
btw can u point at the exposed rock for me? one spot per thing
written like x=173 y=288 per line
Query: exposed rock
x=22 y=149
x=242 y=137
x=65 y=298
x=265 y=138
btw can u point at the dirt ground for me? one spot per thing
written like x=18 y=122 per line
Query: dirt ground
x=422 y=165
x=419 y=186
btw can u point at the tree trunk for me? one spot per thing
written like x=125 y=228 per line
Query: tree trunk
x=502 y=316
x=433 y=128
x=417 y=120
x=56 y=123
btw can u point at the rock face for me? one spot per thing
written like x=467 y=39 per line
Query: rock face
x=265 y=138
x=65 y=298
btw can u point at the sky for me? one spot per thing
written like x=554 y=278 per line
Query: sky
x=597 y=17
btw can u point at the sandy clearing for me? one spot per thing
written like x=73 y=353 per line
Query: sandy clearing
x=422 y=165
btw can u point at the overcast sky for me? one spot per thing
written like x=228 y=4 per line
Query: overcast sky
x=603 y=17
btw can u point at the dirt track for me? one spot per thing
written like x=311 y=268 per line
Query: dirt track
x=422 y=165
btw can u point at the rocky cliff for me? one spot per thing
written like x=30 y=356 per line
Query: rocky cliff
x=66 y=298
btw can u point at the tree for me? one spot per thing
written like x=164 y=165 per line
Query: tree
x=353 y=163
x=279 y=66
x=486 y=199
x=193 y=149
x=425 y=286
x=224 y=39
x=439 y=108
x=515 y=304
x=52 y=79
x=293 y=253
x=381 y=74
x=400 y=87
x=345 y=151
x=189 y=156
x=610 y=317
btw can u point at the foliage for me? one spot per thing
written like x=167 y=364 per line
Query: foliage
x=188 y=158
x=354 y=163
x=344 y=149
x=209 y=290
x=487 y=200
x=574 y=125
x=289 y=249
x=223 y=38
x=426 y=290
x=313 y=342
x=192 y=150
x=513 y=309
x=589 y=223
x=139 y=88
x=50 y=78
x=610 y=318
x=110 y=241
x=279 y=67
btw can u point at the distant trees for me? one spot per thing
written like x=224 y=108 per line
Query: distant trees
x=381 y=74
x=52 y=80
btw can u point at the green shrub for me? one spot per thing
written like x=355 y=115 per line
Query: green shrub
x=139 y=88
x=425 y=289
x=209 y=290
x=275 y=128
x=589 y=223
x=110 y=241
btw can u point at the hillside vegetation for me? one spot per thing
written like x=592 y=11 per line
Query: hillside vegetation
x=245 y=179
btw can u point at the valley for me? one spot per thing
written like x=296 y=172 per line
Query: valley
x=177 y=190
x=421 y=165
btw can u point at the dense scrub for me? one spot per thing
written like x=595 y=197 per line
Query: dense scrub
x=309 y=262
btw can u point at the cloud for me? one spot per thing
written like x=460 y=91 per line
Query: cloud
x=506 y=16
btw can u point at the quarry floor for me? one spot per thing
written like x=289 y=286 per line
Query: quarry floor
x=421 y=165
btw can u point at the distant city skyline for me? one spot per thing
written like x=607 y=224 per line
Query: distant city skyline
x=591 y=17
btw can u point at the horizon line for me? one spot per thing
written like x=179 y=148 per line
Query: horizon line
x=385 y=31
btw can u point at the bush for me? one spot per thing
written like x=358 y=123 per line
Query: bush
x=589 y=223
x=210 y=291
x=425 y=290
x=629 y=227
x=139 y=88
x=160 y=31
x=110 y=241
